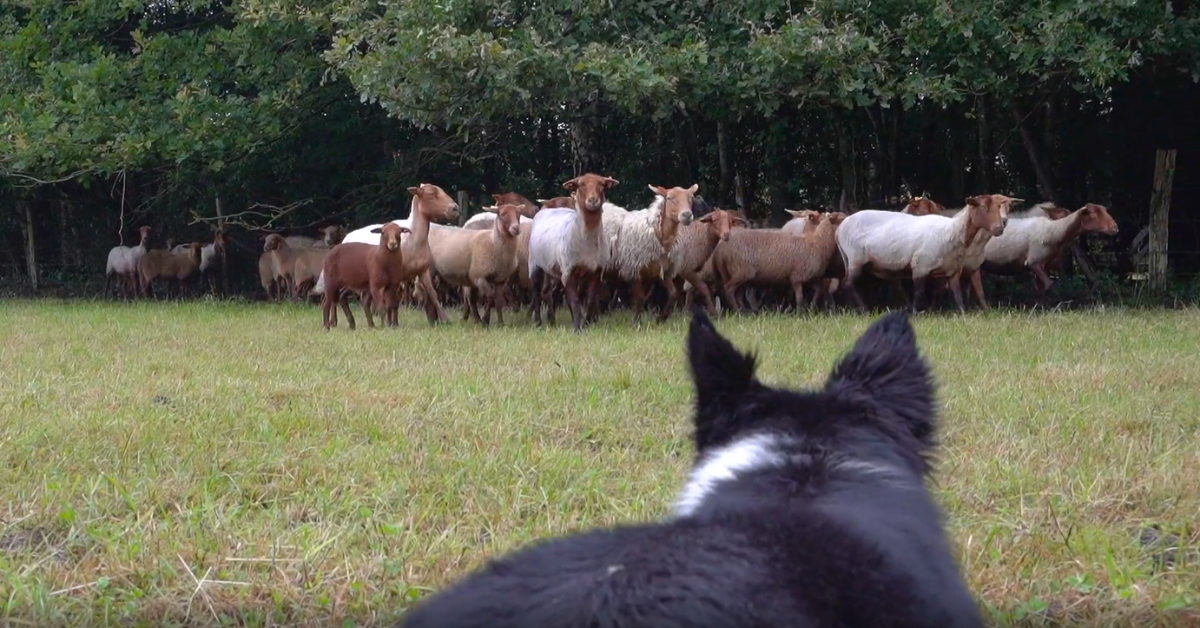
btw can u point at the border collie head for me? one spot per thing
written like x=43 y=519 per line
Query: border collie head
x=875 y=414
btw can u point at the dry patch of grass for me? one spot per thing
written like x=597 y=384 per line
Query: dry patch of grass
x=169 y=464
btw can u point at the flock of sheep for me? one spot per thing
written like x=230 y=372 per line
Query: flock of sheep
x=589 y=251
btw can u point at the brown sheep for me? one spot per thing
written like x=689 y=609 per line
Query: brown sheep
x=374 y=270
x=772 y=256
x=162 y=264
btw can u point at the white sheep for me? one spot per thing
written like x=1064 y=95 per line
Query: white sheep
x=566 y=244
x=1030 y=242
x=890 y=243
x=123 y=264
x=973 y=256
x=641 y=243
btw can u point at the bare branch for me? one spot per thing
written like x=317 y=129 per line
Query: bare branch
x=238 y=219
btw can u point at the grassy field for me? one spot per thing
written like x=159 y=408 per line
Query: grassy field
x=208 y=463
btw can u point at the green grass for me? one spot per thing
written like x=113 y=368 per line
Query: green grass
x=180 y=463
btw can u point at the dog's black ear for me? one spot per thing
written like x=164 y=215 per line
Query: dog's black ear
x=720 y=373
x=886 y=368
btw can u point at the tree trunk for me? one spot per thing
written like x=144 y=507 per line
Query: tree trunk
x=986 y=156
x=224 y=265
x=464 y=204
x=894 y=150
x=849 y=200
x=545 y=165
x=1045 y=185
x=725 y=157
x=490 y=180
x=30 y=245
x=585 y=141
x=1160 y=206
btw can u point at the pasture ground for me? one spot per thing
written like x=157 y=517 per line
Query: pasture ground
x=220 y=463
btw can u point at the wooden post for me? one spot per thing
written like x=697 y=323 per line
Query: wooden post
x=224 y=267
x=30 y=246
x=464 y=203
x=1160 y=206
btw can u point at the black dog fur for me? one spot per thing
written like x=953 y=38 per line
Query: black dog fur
x=827 y=523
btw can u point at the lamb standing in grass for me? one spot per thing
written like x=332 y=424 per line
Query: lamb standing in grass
x=566 y=245
x=374 y=270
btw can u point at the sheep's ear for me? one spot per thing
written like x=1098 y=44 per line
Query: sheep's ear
x=496 y=197
x=657 y=190
x=405 y=230
x=695 y=188
x=795 y=212
x=975 y=201
x=708 y=218
x=377 y=230
x=741 y=221
x=610 y=182
x=572 y=185
x=415 y=191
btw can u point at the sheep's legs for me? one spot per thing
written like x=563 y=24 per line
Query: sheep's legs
x=698 y=285
x=593 y=294
x=731 y=293
x=537 y=280
x=571 y=284
x=1039 y=274
x=798 y=288
x=977 y=288
x=956 y=289
x=918 y=293
x=672 y=296
x=638 y=297
x=433 y=308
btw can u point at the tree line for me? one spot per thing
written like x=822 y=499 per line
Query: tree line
x=289 y=114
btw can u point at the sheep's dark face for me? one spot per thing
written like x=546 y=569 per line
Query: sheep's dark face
x=524 y=205
x=274 y=241
x=1096 y=218
x=434 y=202
x=589 y=191
x=508 y=220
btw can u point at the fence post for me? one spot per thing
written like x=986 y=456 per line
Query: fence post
x=1160 y=206
x=464 y=203
x=30 y=245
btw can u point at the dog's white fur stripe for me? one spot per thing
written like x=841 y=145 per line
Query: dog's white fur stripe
x=752 y=453
x=755 y=453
